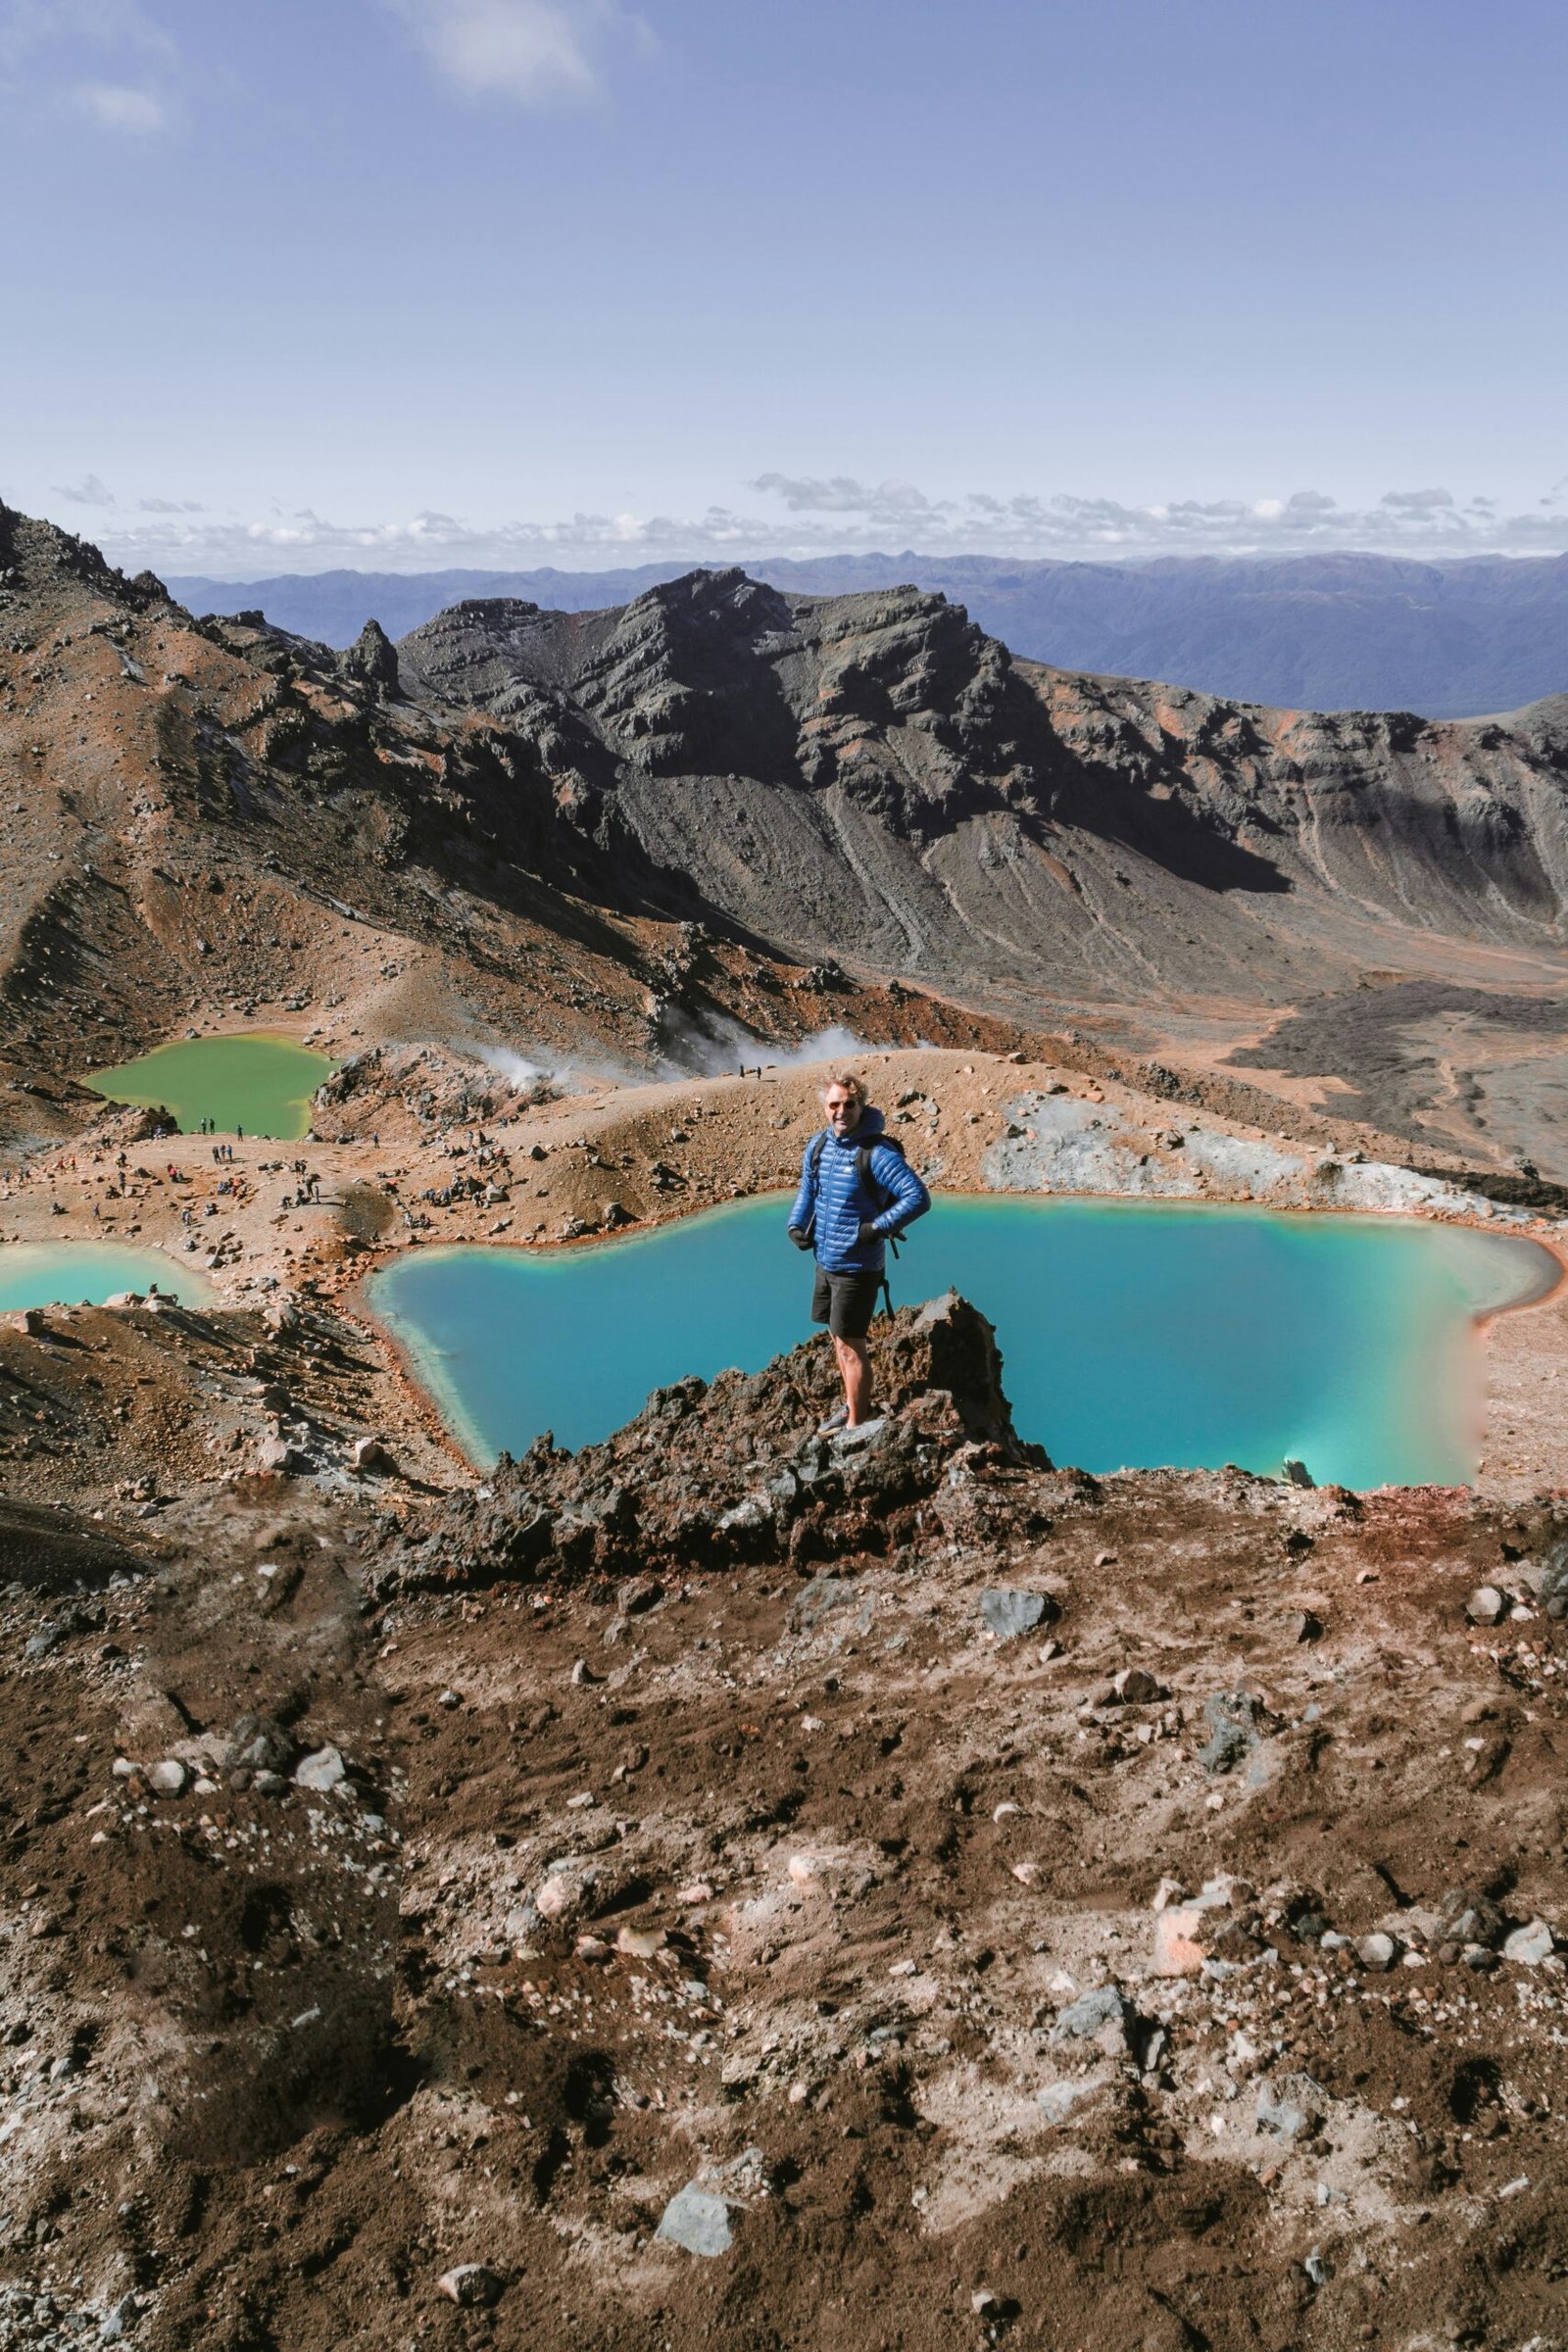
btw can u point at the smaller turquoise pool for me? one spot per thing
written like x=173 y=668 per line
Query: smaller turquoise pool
x=1134 y=1336
x=64 y=1273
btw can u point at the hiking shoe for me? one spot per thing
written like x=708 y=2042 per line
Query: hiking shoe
x=837 y=1420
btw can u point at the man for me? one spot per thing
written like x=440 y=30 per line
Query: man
x=857 y=1192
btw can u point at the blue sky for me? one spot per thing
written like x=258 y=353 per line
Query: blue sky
x=405 y=283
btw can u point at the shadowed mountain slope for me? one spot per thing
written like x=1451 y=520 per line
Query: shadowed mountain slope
x=873 y=776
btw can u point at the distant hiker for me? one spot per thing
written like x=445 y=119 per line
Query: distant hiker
x=858 y=1193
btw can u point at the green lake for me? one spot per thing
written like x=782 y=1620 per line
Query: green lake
x=258 y=1083
x=64 y=1273
x=1133 y=1335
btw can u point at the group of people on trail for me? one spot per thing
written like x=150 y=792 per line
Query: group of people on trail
x=858 y=1193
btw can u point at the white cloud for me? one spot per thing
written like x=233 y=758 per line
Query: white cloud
x=842 y=494
x=1418 y=502
x=535 y=51
x=178 y=536
x=89 y=492
x=49 y=48
x=142 y=113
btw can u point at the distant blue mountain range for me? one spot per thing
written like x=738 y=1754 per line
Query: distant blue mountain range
x=1340 y=632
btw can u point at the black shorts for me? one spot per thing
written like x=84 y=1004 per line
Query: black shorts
x=844 y=1302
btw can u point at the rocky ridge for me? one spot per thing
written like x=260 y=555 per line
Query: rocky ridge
x=719 y=1474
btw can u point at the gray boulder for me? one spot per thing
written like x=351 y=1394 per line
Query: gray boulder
x=1232 y=1720
x=1008 y=1613
x=1107 y=2018
x=698 y=2221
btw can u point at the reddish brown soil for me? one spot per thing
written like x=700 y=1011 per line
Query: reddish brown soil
x=320 y=2048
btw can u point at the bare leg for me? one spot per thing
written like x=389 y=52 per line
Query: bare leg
x=855 y=1371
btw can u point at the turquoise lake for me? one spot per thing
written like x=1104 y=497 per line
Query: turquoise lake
x=64 y=1273
x=1134 y=1336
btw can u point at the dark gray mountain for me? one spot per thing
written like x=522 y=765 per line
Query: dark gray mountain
x=873 y=777
x=1342 y=632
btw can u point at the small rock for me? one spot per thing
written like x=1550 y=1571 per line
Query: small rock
x=1008 y=1613
x=562 y=1893
x=832 y=1868
x=592 y=1947
x=983 y=2302
x=1529 y=1945
x=1486 y=1605
x=1297 y=1474
x=169 y=1778
x=323 y=1770
x=370 y=1454
x=1104 y=2017
x=737 y=2075
x=261 y=1743
x=1178 y=1952
x=1058 y=2099
x=1232 y=1719
x=1377 y=1952
x=1282 y=2117
x=1316 y=2269
x=471 y=2285
x=449 y=1699
x=1135 y=1686
x=698 y=2221
x=1466 y=1919
x=1304 y=1625
x=641 y=1943
x=276 y=1454
x=269 y=1784
x=1551 y=1590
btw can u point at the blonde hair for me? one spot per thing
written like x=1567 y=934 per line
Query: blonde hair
x=851 y=1081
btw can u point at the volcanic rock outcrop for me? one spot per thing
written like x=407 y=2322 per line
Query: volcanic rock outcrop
x=712 y=1476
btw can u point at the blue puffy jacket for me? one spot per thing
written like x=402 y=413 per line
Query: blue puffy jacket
x=832 y=1203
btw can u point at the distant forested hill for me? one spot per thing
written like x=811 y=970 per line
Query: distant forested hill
x=1302 y=632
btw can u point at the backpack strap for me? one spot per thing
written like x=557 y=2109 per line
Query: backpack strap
x=863 y=1157
x=818 y=1147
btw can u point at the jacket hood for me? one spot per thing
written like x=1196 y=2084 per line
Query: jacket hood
x=871 y=1126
